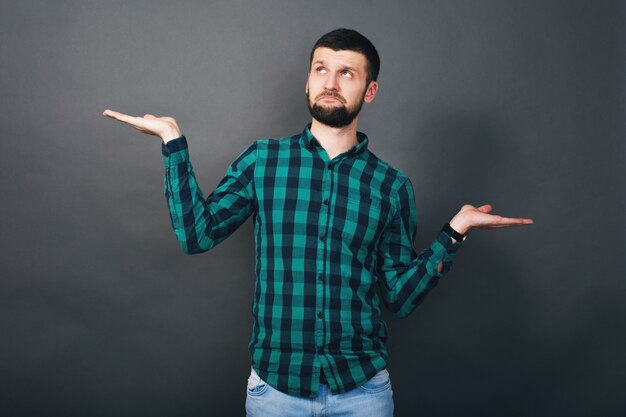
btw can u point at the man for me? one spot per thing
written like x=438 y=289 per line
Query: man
x=333 y=224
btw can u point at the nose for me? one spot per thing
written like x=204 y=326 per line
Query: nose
x=330 y=83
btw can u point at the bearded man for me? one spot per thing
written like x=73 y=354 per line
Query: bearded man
x=334 y=227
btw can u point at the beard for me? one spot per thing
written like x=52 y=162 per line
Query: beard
x=334 y=116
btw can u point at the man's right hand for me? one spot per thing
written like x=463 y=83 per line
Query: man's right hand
x=164 y=127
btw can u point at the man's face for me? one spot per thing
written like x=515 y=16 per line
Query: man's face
x=336 y=86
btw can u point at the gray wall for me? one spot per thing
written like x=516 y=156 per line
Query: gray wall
x=516 y=103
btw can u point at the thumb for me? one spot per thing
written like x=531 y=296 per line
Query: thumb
x=149 y=116
x=486 y=208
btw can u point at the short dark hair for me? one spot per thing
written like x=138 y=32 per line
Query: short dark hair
x=351 y=40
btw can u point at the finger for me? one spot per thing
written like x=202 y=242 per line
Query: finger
x=118 y=116
x=519 y=220
x=501 y=226
x=486 y=208
x=505 y=221
x=149 y=116
x=498 y=226
x=136 y=122
x=111 y=113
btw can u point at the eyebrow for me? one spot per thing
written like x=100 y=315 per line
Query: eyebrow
x=319 y=61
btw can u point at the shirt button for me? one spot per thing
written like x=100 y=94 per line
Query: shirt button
x=327 y=202
x=330 y=166
x=321 y=277
x=320 y=314
x=323 y=238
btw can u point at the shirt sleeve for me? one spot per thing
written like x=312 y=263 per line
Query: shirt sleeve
x=407 y=277
x=199 y=223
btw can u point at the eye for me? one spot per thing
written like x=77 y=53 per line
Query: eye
x=320 y=70
x=346 y=73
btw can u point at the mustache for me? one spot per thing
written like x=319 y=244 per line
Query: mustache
x=330 y=93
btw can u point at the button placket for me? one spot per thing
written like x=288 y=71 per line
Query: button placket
x=323 y=224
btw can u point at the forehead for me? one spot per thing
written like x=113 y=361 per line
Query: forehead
x=340 y=58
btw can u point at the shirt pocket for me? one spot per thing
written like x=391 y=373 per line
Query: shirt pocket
x=362 y=222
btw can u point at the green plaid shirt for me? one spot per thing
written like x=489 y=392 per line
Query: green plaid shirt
x=333 y=237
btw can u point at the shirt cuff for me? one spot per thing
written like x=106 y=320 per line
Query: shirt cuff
x=446 y=241
x=175 y=151
x=442 y=250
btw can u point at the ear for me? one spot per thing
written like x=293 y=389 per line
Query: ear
x=371 y=91
x=306 y=88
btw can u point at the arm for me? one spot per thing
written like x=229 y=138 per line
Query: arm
x=407 y=277
x=199 y=223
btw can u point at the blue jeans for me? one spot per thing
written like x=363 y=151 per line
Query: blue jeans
x=372 y=399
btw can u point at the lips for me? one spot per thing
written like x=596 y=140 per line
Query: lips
x=330 y=98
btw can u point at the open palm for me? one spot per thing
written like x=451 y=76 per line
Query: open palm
x=164 y=127
x=478 y=217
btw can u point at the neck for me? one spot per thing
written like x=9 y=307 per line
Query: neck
x=335 y=140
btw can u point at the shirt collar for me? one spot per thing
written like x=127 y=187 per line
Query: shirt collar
x=310 y=141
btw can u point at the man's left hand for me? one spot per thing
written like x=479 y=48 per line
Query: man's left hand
x=470 y=217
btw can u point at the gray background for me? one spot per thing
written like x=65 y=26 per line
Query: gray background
x=516 y=103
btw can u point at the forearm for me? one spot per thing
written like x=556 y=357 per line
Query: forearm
x=440 y=266
x=185 y=200
x=411 y=284
x=408 y=276
x=201 y=224
x=460 y=225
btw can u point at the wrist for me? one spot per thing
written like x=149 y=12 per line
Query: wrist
x=172 y=134
x=460 y=225
x=454 y=235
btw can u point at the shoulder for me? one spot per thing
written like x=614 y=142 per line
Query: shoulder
x=269 y=144
x=260 y=147
x=271 y=149
x=389 y=175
